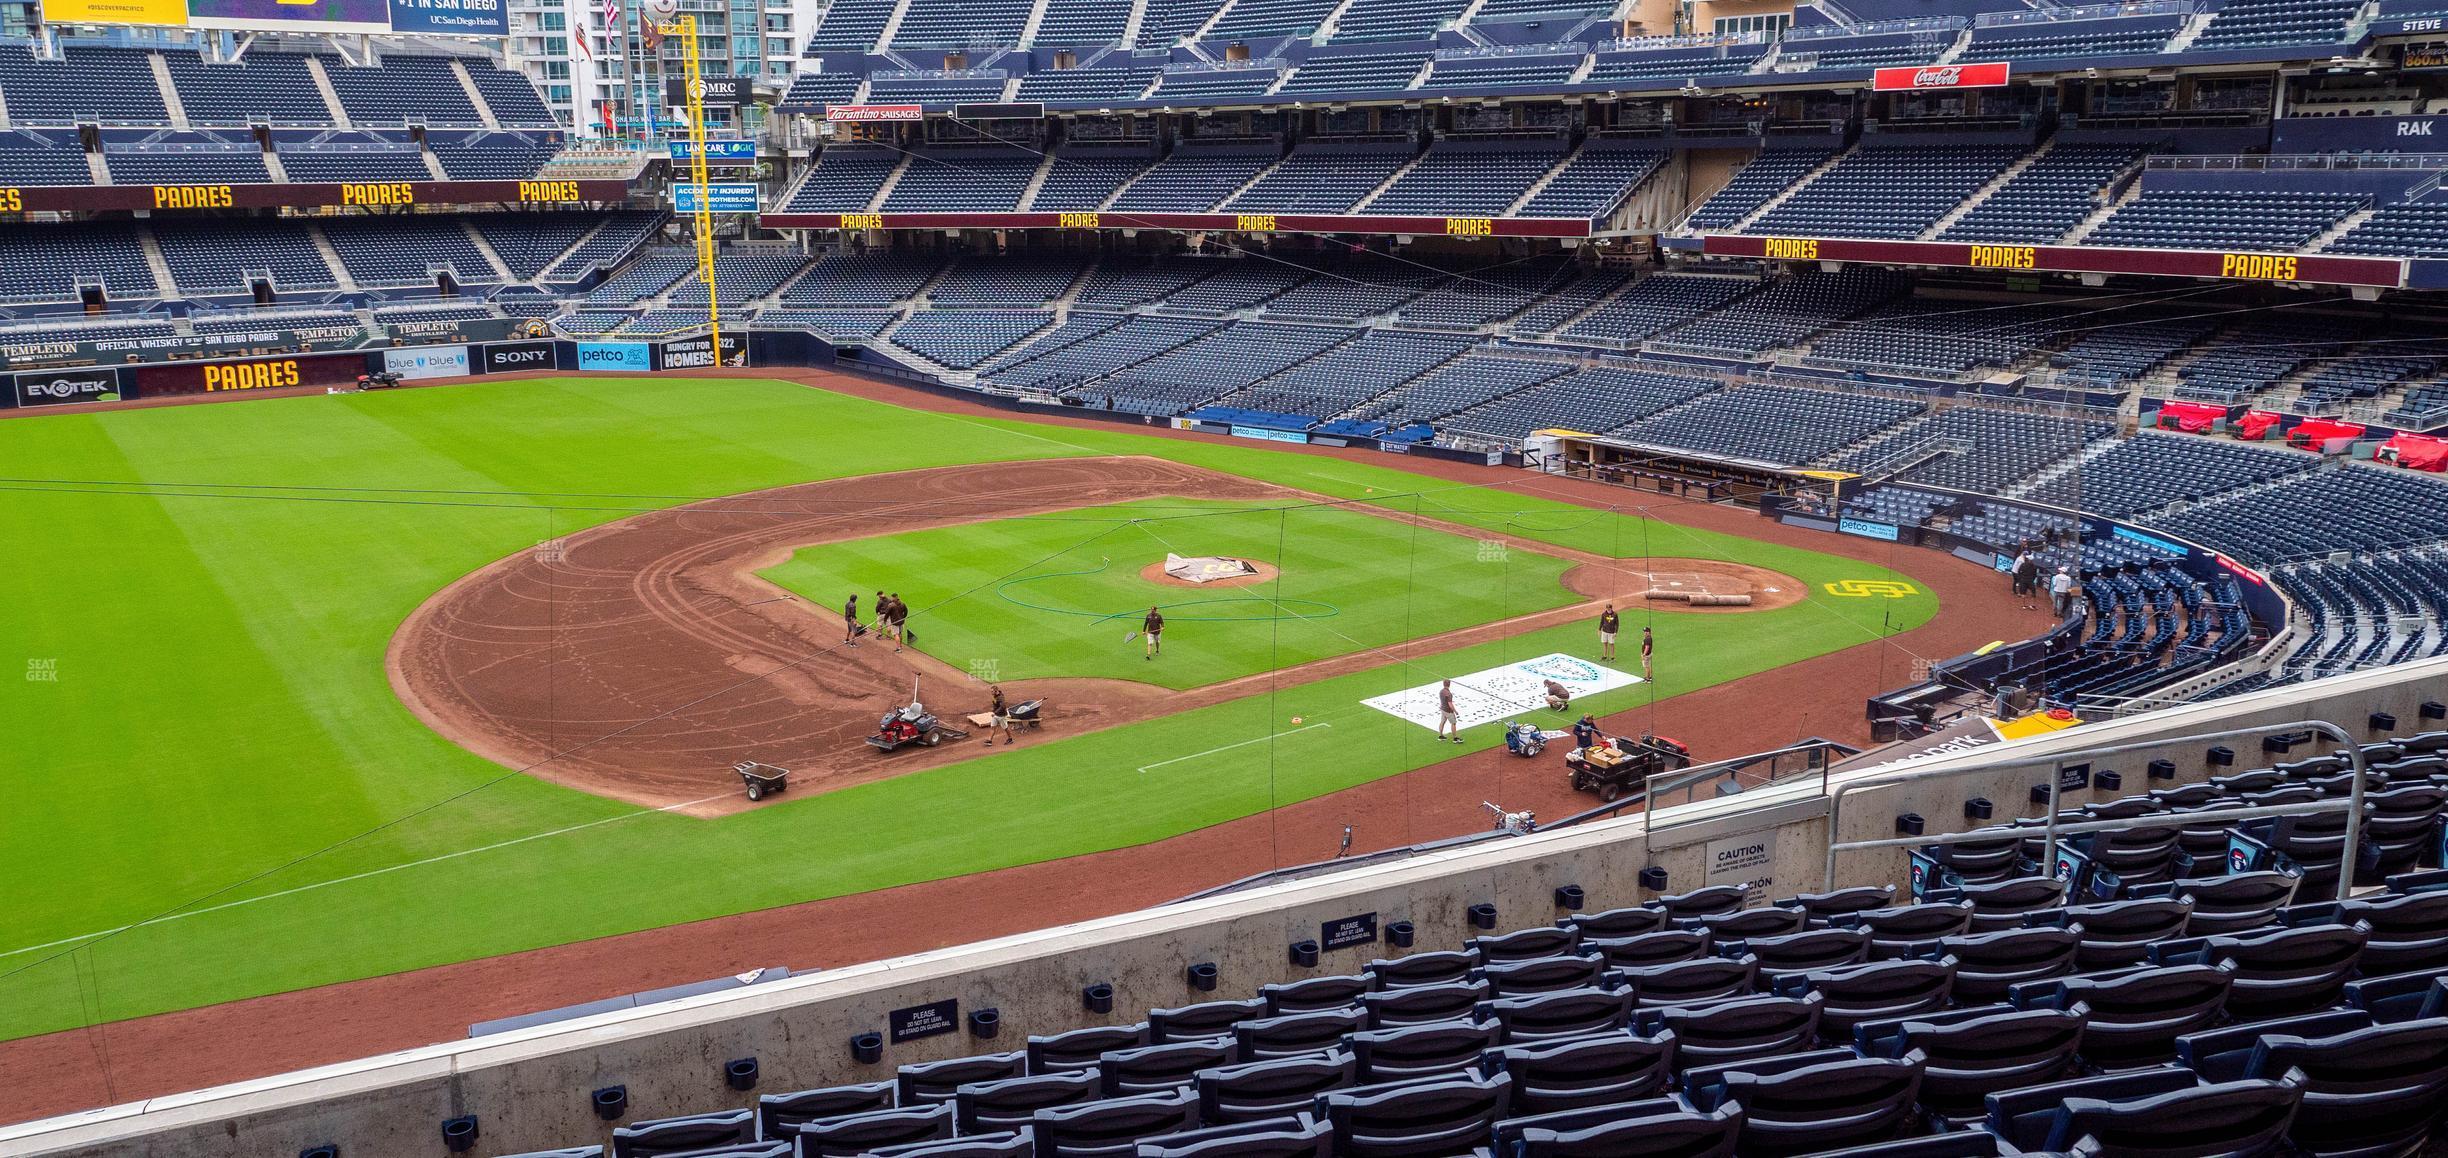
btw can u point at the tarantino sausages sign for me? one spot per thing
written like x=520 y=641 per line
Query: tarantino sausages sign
x=258 y=374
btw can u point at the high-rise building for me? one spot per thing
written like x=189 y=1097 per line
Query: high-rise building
x=561 y=43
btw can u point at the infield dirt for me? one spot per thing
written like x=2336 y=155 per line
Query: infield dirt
x=565 y=661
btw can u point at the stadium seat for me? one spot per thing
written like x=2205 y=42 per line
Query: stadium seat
x=668 y=1136
x=1261 y=1090
x=1292 y=1136
x=1152 y=1069
x=1420 y=1051
x=925 y=1083
x=1817 y=1107
x=1416 y=1119
x=1595 y=1069
x=1561 y=1014
x=858 y=1133
x=1111 y=1128
x=776 y=1112
x=1009 y=1104
x=1725 y=1033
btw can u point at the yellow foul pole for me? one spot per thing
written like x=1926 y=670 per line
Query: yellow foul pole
x=686 y=29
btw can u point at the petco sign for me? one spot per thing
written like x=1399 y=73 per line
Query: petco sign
x=1947 y=76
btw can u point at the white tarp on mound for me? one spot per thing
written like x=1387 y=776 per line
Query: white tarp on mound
x=1485 y=697
x=1205 y=568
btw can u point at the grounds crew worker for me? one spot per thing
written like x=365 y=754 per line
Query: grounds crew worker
x=998 y=717
x=1648 y=645
x=850 y=623
x=1153 y=627
x=1608 y=621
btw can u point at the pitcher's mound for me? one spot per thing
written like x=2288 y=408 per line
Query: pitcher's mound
x=1203 y=572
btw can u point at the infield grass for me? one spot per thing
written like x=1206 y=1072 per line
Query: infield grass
x=1031 y=597
x=214 y=794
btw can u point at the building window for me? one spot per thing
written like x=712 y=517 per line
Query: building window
x=1771 y=23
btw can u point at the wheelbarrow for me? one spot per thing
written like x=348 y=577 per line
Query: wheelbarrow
x=763 y=780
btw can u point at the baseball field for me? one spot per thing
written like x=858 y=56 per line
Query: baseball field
x=324 y=688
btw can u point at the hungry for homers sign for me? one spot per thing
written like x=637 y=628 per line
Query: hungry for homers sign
x=1484 y=697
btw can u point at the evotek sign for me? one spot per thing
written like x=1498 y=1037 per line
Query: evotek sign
x=65 y=387
x=1939 y=76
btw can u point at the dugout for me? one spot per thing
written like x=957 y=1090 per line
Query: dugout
x=1683 y=474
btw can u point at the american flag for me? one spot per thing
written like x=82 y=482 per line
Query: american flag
x=611 y=20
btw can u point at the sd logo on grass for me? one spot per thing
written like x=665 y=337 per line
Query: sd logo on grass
x=1871 y=589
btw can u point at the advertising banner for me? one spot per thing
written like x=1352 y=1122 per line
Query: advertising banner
x=697 y=353
x=730 y=197
x=1918 y=78
x=254 y=374
x=456 y=331
x=632 y=356
x=154 y=348
x=717 y=152
x=301 y=195
x=428 y=362
x=1868 y=528
x=2317 y=268
x=172 y=12
x=721 y=92
x=450 y=17
x=875 y=112
x=512 y=357
x=68 y=387
x=292 y=15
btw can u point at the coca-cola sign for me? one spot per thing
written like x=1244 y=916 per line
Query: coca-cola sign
x=1940 y=76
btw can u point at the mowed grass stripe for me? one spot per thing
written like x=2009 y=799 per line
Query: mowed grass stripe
x=229 y=738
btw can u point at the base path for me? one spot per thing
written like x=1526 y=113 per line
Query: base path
x=144 y=1057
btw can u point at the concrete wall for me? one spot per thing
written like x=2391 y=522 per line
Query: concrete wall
x=530 y=1089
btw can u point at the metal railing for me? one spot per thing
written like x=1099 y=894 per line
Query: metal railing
x=2056 y=825
x=2298 y=162
x=2085 y=12
x=1877 y=28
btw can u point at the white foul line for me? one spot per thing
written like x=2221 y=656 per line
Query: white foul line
x=363 y=875
x=1212 y=751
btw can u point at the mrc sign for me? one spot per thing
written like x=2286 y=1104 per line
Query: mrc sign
x=1931 y=77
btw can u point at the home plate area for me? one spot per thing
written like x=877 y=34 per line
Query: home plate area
x=1484 y=697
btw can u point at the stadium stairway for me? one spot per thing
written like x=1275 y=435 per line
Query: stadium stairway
x=1986 y=191
x=1787 y=193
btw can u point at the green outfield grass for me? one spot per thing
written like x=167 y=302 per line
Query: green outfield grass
x=214 y=794
x=1027 y=598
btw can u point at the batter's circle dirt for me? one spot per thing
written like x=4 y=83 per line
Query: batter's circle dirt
x=1264 y=573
